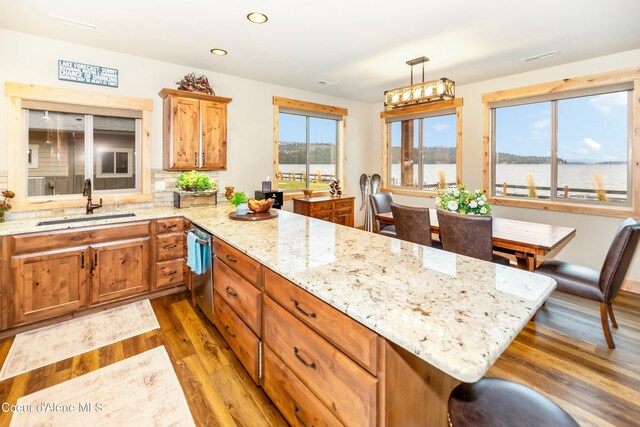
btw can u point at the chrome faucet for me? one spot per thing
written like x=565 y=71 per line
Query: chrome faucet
x=87 y=192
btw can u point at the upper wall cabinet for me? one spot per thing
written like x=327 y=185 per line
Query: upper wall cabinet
x=194 y=130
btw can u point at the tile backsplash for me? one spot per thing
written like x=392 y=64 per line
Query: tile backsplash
x=163 y=183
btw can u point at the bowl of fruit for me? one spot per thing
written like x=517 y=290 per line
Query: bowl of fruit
x=259 y=206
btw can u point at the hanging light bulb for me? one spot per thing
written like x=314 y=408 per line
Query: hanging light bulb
x=435 y=90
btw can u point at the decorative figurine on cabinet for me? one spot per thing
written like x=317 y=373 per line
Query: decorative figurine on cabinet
x=335 y=188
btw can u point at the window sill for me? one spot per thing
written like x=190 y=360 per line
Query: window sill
x=608 y=210
x=416 y=193
x=50 y=202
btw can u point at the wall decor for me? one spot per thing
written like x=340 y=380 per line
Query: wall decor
x=86 y=73
x=193 y=83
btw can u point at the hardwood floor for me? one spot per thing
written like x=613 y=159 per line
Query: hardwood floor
x=218 y=389
x=562 y=355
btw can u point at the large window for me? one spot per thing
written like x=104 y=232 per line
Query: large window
x=573 y=146
x=62 y=137
x=423 y=147
x=308 y=145
x=72 y=147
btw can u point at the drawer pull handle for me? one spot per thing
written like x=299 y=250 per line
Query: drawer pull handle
x=231 y=259
x=297 y=305
x=82 y=259
x=311 y=365
x=169 y=247
x=231 y=292
x=296 y=412
x=195 y=161
x=171 y=273
x=170 y=226
x=231 y=334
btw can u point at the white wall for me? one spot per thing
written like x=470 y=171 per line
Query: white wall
x=30 y=59
x=593 y=233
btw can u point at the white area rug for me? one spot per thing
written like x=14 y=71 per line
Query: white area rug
x=139 y=391
x=44 y=346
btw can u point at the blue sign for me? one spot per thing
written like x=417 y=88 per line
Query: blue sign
x=85 y=73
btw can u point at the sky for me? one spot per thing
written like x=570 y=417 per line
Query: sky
x=438 y=131
x=292 y=128
x=590 y=129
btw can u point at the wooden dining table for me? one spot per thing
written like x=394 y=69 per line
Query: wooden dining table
x=523 y=239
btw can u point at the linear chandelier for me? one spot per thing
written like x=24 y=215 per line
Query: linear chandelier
x=419 y=93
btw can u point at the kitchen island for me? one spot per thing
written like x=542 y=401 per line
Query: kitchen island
x=446 y=317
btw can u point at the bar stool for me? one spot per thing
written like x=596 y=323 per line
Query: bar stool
x=494 y=402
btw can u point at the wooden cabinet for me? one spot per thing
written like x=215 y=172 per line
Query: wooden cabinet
x=339 y=210
x=50 y=283
x=238 y=304
x=347 y=390
x=59 y=272
x=119 y=269
x=194 y=130
x=171 y=252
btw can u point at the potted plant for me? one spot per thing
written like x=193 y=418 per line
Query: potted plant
x=240 y=201
x=195 y=189
x=4 y=205
x=463 y=201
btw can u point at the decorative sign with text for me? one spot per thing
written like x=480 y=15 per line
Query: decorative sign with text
x=85 y=73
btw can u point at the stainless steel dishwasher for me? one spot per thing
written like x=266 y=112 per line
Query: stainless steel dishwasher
x=203 y=283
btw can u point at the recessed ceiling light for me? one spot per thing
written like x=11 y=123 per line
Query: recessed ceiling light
x=257 y=17
x=325 y=83
x=541 y=56
x=73 y=23
x=219 y=52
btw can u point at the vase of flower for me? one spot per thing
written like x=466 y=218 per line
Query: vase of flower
x=463 y=201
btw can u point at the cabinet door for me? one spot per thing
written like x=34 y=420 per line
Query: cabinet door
x=185 y=133
x=343 y=217
x=214 y=135
x=120 y=269
x=48 y=284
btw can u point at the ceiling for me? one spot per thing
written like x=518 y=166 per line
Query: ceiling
x=360 y=45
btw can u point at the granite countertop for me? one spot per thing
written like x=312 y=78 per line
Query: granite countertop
x=457 y=313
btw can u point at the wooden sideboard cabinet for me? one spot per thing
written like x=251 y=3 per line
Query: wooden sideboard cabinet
x=194 y=130
x=339 y=210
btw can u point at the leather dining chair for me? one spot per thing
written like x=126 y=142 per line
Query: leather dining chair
x=494 y=402
x=601 y=286
x=412 y=224
x=470 y=235
x=381 y=203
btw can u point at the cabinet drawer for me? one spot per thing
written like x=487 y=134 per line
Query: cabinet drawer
x=322 y=206
x=294 y=400
x=357 y=341
x=343 y=204
x=241 y=263
x=241 y=296
x=169 y=225
x=343 y=386
x=244 y=344
x=169 y=273
x=33 y=242
x=170 y=246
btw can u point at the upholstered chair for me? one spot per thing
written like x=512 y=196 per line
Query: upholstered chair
x=470 y=235
x=601 y=286
x=381 y=203
x=412 y=224
x=494 y=402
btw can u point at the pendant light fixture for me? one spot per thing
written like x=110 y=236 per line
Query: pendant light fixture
x=419 y=93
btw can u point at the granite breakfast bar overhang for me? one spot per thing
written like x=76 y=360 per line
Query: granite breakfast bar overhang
x=455 y=313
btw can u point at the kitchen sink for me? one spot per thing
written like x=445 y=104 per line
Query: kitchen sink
x=86 y=218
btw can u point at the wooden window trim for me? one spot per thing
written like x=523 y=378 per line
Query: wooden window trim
x=399 y=113
x=19 y=92
x=559 y=86
x=294 y=104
